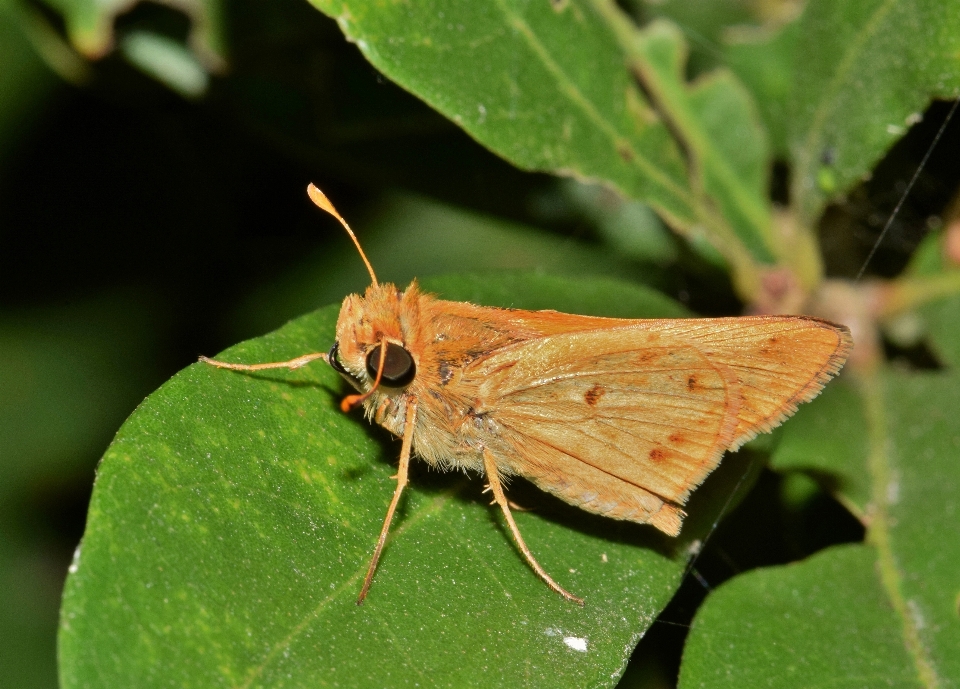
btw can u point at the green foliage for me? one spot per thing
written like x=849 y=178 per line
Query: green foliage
x=869 y=68
x=541 y=84
x=233 y=515
x=826 y=617
x=885 y=612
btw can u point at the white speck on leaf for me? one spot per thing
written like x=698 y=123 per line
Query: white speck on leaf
x=577 y=643
x=893 y=492
x=75 y=562
x=918 y=620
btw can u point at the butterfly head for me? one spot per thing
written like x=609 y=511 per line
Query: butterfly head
x=372 y=348
x=366 y=323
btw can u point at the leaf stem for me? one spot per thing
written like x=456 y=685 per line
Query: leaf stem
x=693 y=141
x=908 y=293
x=882 y=478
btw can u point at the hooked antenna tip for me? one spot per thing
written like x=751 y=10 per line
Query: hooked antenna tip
x=321 y=201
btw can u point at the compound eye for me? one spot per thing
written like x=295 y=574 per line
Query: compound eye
x=398 y=367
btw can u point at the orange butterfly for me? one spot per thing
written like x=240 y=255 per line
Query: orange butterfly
x=622 y=418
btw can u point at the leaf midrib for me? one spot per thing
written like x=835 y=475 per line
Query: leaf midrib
x=350 y=584
x=565 y=85
x=879 y=466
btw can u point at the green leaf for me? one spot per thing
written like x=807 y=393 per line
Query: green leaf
x=543 y=84
x=864 y=71
x=822 y=622
x=763 y=61
x=886 y=612
x=234 y=515
x=717 y=121
x=167 y=61
x=829 y=441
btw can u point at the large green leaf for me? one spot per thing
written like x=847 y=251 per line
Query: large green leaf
x=829 y=441
x=547 y=86
x=822 y=622
x=763 y=60
x=233 y=516
x=884 y=614
x=864 y=70
x=543 y=84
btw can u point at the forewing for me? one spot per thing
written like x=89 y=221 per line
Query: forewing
x=617 y=421
x=780 y=361
x=626 y=421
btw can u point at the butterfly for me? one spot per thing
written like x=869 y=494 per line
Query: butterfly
x=621 y=418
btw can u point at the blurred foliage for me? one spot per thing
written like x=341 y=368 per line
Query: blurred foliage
x=152 y=165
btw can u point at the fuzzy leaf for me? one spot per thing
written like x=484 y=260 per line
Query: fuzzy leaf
x=882 y=614
x=233 y=517
x=864 y=70
x=543 y=84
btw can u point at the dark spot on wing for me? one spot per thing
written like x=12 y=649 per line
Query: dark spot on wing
x=677 y=438
x=446 y=372
x=657 y=454
x=693 y=384
x=646 y=357
x=593 y=395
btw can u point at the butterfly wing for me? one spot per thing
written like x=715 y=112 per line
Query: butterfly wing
x=780 y=361
x=626 y=421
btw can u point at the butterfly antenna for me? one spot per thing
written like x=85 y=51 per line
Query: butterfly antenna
x=351 y=401
x=321 y=201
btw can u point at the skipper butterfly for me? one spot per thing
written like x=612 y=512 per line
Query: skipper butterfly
x=621 y=418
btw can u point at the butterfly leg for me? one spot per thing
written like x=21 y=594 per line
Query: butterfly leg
x=402 y=470
x=490 y=467
x=292 y=364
